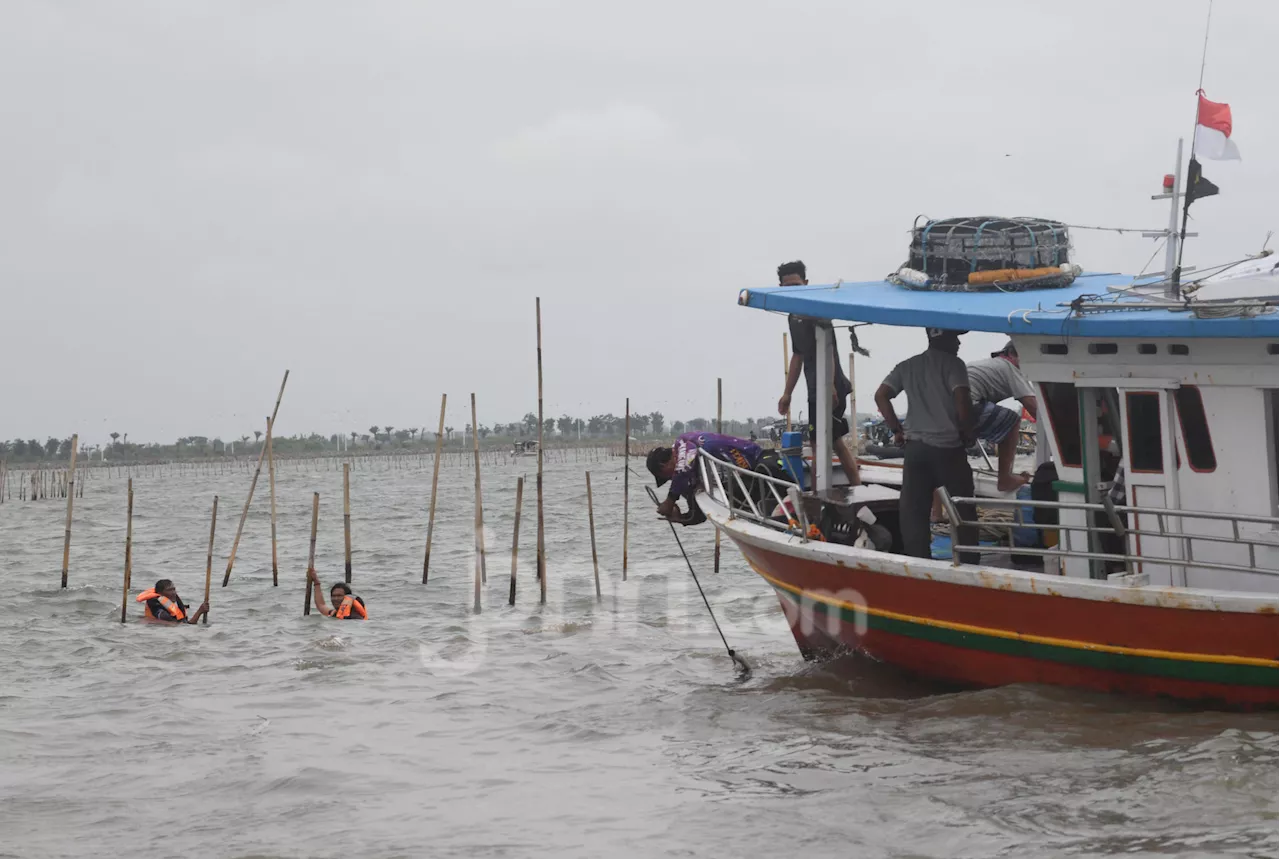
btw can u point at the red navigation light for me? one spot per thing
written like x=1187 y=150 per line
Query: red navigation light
x=1168 y=183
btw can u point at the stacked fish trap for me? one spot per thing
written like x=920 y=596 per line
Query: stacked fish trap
x=987 y=254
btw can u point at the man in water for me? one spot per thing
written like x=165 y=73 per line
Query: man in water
x=991 y=381
x=678 y=464
x=804 y=354
x=163 y=604
x=346 y=605
x=937 y=386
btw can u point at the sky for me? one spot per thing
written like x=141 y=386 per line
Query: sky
x=200 y=195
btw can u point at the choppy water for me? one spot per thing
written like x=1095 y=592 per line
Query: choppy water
x=574 y=729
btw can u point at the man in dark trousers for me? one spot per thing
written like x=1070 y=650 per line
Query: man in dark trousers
x=804 y=354
x=940 y=430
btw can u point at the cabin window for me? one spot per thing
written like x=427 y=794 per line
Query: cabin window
x=1179 y=349
x=1146 y=448
x=1053 y=348
x=1146 y=349
x=1103 y=348
x=1195 y=428
x=1273 y=348
x=1064 y=416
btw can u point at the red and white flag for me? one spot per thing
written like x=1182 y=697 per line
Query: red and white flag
x=1213 y=131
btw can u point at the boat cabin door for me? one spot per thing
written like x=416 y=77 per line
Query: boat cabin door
x=1151 y=476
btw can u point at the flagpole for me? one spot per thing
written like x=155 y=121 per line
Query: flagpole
x=1175 y=285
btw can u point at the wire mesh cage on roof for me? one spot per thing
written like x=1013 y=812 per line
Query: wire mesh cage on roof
x=951 y=249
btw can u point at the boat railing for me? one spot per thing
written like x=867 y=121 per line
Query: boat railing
x=1118 y=527
x=748 y=490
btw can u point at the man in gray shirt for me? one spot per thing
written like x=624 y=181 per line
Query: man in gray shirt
x=991 y=381
x=937 y=387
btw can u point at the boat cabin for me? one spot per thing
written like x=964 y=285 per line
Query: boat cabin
x=1176 y=397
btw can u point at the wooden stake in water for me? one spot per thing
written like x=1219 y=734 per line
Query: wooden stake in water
x=271 y=479
x=244 y=514
x=208 y=564
x=542 y=542
x=346 y=516
x=435 y=481
x=720 y=429
x=786 y=371
x=475 y=441
x=591 y=523
x=515 y=539
x=853 y=408
x=311 y=555
x=71 y=498
x=128 y=557
x=626 y=485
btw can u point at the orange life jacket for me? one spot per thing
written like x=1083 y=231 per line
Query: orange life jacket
x=349 y=604
x=175 y=611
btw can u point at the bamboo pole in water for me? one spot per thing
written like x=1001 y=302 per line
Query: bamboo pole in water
x=66 y=540
x=311 y=555
x=542 y=542
x=515 y=539
x=346 y=517
x=435 y=482
x=720 y=429
x=244 y=514
x=626 y=484
x=786 y=372
x=853 y=411
x=591 y=523
x=271 y=480
x=128 y=557
x=475 y=441
x=208 y=563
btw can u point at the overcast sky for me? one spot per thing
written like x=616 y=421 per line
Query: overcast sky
x=195 y=196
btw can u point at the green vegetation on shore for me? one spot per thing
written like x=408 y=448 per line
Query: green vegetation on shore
x=376 y=439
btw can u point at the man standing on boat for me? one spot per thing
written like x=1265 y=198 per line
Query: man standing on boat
x=804 y=354
x=937 y=386
x=991 y=381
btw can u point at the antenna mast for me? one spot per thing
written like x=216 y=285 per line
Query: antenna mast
x=1175 y=288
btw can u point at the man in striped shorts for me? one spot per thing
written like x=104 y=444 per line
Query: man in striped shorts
x=991 y=381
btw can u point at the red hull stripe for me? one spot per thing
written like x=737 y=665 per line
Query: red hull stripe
x=1234 y=671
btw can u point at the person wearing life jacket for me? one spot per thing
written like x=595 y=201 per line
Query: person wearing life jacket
x=162 y=604
x=346 y=605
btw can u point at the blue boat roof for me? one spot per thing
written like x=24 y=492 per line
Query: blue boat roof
x=1037 y=311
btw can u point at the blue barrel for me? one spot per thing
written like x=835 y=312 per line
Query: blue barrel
x=793 y=456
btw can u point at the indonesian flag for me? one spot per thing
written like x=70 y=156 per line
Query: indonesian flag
x=1213 y=131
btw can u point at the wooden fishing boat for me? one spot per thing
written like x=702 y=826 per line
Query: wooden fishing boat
x=1170 y=590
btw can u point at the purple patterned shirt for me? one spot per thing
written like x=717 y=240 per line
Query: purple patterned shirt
x=739 y=451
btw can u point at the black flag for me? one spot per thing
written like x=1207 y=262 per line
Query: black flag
x=1197 y=185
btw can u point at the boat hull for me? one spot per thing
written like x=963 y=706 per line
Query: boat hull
x=992 y=630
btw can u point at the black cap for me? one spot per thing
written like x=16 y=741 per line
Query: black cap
x=655 y=462
x=935 y=333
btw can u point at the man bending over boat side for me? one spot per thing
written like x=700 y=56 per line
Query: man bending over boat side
x=937 y=386
x=678 y=464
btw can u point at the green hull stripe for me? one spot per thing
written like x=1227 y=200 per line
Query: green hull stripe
x=1154 y=666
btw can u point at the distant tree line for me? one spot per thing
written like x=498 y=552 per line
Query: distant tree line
x=565 y=428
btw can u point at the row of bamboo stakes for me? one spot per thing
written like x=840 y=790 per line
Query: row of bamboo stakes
x=39 y=484
x=481 y=575
x=50 y=482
